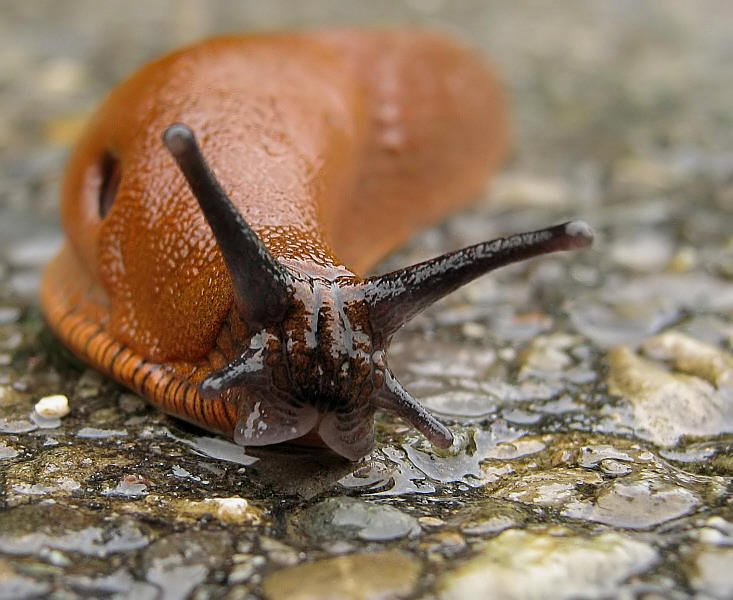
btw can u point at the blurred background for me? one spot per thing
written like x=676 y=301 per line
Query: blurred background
x=592 y=84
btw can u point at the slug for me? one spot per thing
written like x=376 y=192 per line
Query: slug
x=225 y=201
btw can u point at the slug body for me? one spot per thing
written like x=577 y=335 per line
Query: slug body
x=201 y=270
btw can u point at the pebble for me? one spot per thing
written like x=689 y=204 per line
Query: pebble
x=522 y=189
x=231 y=510
x=246 y=565
x=9 y=314
x=31 y=529
x=361 y=576
x=692 y=356
x=445 y=543
x=16 y=426
x=98 y=433
x=556 y=488
x=34 y=252
x=351 y=518
x=519 y=565
x=711 y=574
x=130 y=486
x=546 y=356
x=639 y=504
x=14 y=586
x=666 y=405
x=490 y=517
x=7 y=452
x=614 y=323
x=52 y=407
x=515 y=449
x=278 y=552
x=646 y=253
x=615 y=468
x=431 y=523
x=131 y=404
x=177 y=563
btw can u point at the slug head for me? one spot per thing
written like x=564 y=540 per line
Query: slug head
x=316 y=357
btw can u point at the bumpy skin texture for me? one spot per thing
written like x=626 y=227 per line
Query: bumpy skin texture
x=338 y=143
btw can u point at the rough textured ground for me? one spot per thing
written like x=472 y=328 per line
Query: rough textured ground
x=592 y=396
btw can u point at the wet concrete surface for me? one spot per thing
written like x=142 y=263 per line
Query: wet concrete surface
x=591 y=395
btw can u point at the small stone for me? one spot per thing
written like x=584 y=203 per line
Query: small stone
x=645 y=253
x=97 y=433
x=592 y=455
x=692 y=356
x=28 y=529
x=546 y=355
x=44 y=423
x=463 y=461
x=614 y=468
x=61 y=76
x=6 y=452
x=219 y=449
x=16 y=426
x=711 y=572
x=684 y=260
x=179 y=562
x=556 y=488
x=721 y=525
x=14 y=586
x=520 y=189
x=474 y=330
x=55 y=557
x=489 y=526
x=234 y=510
x=515 y=449
x=431 y=522
x=522 y=565
x=246 y=565
x=708 y=535
x=667 y=406
x=444 y=543
x=9 y=314
x=130 y=403
x=278 y=552
x=53 y=407
x=88 y=385
x=611 y=324
x=351 y=518
x=365 y=576
x=130 y=486
x=640 y=504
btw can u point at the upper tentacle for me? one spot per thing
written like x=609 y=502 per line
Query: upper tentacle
x=397 y=297
x=261 y=284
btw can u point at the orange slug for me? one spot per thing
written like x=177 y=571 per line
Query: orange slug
x=224 y=202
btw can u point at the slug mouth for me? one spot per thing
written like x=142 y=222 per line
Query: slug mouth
x=282 y=307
